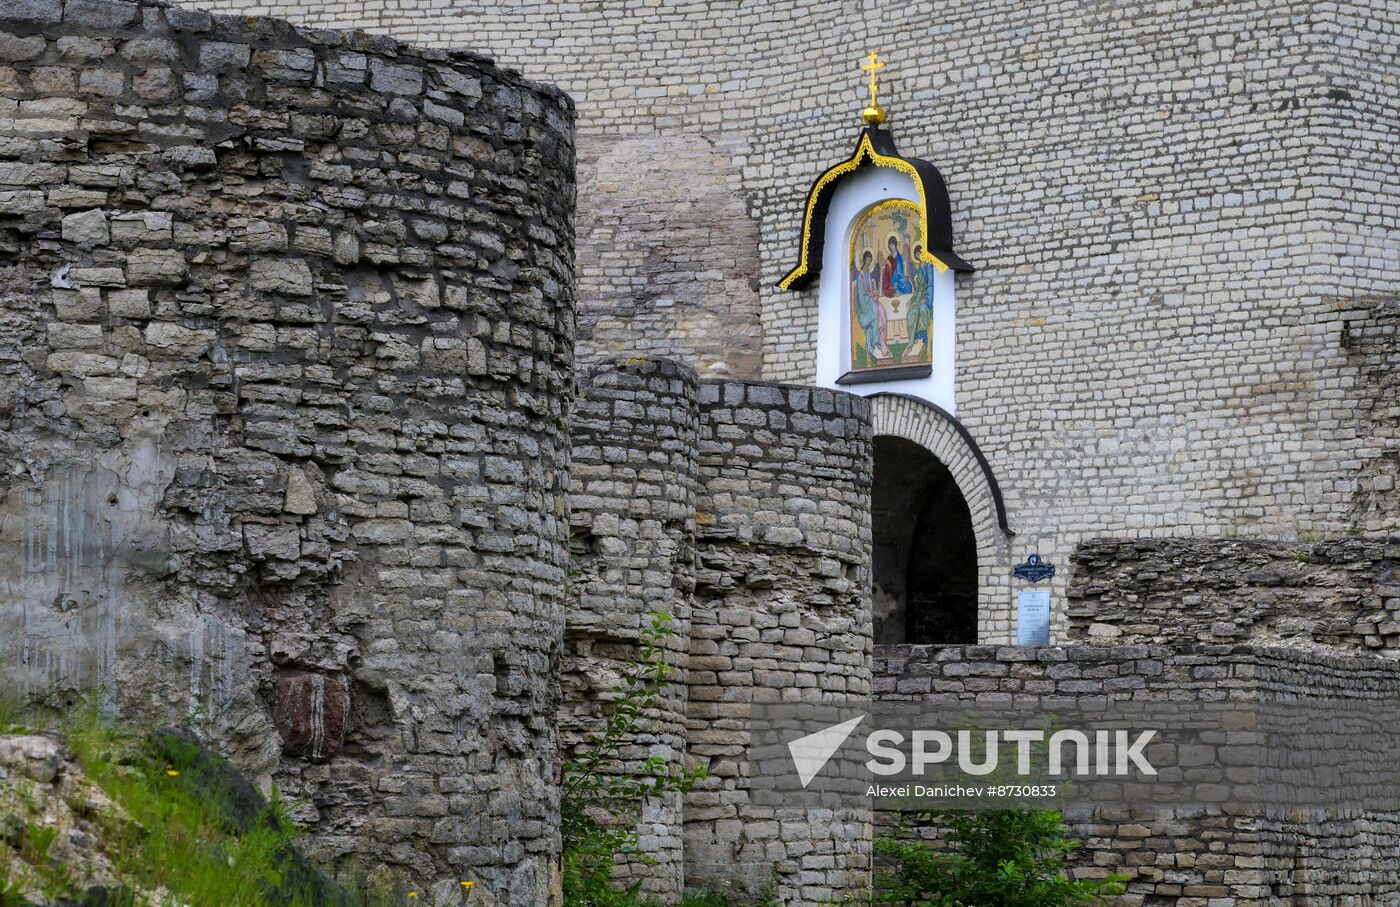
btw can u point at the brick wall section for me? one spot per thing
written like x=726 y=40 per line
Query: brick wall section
x=1372 y=340
x=1192 y=858
x=1344 y=594
x=666 y=253
x=1356 y=255
x=285 y=362
x=782 y=613
x=632 y=520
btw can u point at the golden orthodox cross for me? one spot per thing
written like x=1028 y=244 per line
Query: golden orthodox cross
x=873 y=67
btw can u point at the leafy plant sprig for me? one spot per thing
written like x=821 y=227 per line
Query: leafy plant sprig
x=603 y=794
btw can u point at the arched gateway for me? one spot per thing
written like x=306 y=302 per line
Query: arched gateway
x=936 y=506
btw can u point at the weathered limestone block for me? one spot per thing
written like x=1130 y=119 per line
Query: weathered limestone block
x=86 y=228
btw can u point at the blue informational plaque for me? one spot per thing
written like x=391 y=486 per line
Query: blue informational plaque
x=1033 y=617
x=1034 y=569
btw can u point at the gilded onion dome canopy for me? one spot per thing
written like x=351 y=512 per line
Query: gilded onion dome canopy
x=876 y=149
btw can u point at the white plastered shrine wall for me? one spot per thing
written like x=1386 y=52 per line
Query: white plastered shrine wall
x=855 y=195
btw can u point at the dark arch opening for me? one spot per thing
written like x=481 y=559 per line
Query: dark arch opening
x=925 y=549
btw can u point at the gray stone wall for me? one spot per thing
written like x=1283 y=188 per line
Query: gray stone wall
x=284 y=363
x=743 y=510
x=1152 y=343
x=1343 y=594
x=781 y=613
x=1183 y=856
x=635 y=439
x=1358 y=197
x=285 y=368
x=666 y=253
x=681 y=105
x=1175 y=212
x=1372 y=340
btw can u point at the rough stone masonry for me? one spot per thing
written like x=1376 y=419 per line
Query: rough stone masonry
x=287 y=411
x=1183 y=216
x=743 y=510
x=286 y=327
x=1205 y=854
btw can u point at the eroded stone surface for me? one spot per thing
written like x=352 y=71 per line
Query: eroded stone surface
x=1342 y=594
x=261 y=472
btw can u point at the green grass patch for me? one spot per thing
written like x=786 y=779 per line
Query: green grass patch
x=185 y=825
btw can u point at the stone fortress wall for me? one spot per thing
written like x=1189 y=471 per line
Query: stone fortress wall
x=1342 y=594
x=632 y=490
x=1183 y=223
x=288 y=335
x=782 y=613
x=1205 y=853
x=286 y=366
x=288 y=331
x=742 y=509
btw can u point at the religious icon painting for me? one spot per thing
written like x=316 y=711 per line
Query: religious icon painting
x=892 y=289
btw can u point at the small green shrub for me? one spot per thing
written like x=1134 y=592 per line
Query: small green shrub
x=37 y=841
x=1005 y=858
x=11 y=893
x=768 y=898
x=11 y=890
x=706 y=899
x=12 y=715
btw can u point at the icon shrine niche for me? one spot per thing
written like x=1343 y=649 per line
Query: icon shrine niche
x=879 y=227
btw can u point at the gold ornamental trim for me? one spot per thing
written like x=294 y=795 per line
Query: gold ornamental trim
x=865 y=150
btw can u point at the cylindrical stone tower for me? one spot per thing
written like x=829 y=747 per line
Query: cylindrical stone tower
x=781 y=614
x=632 y=522
x=285 y=361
